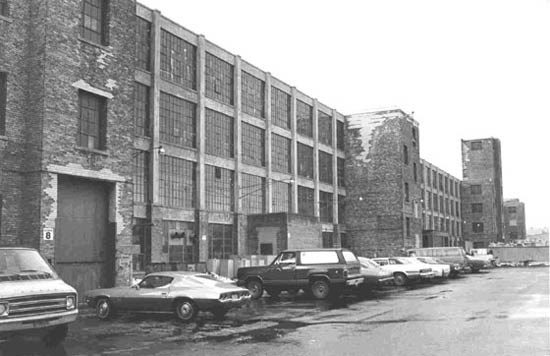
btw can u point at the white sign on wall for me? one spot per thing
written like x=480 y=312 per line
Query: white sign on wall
x=47 y=234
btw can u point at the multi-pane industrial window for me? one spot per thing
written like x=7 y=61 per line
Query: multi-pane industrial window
x=92 y=120
x=475 y=189
x=457 y=209
x=94 y=21
x=4 y=8
x=436 y=202
x=253 y=145
x=446 y=185
x=408 y=226
x=252 y=95
x=281 y=193
x=512 y=210
x=141 y=237
x=252 y=194
x=407 y=192
x=325 y=167
x=280 y=108
x=143 y=44
x=219 y=134
x=452 y=208
x=305 y=161
x=280 y=154
x=457 y=191
x=429 y=197
x=476 y=145
x=305 y=201
x=340 y=171
x=434 y=179
x=141 y=176
x=451 y=188
x=341 y=208
x=325 y=206
x=405 y=154
x=477 y=227
x=440 y=182
x=221 y=244
x=3 y=101
x=219 y=79
x=180 y=241
x=304 y=119
x=415 y=176
x=177 y=182
x=477 y=207
x=441 y=206
x=325 y=128
x=428 y=177
x=219 y=188
x=178 y=123
x=178 y=62
x=141 y=109
x=340 y=135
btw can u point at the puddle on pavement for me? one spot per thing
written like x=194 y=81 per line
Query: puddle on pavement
x=258 y=335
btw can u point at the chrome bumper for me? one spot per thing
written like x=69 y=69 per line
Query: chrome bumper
x=37 y=321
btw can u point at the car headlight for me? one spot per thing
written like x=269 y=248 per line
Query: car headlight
x=70 y=302
x=4 y=309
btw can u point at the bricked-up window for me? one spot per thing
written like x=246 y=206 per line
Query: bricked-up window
x=325 y=167
x=178 y=62
x=407 y=197
x=4 y=8
x=304 y=119
x=280 y=154
x=415 y=174
x=340 y=171
x=175 y=231
x=477 y=227
x=252 y=194
x=325 y=207
x=253 y=145
x=219 y=188
x=475 y=189
x=305 y=201
x=94 y=21
x=340 y=135
x=219 y=79
x=476 y=145
x=141 y=176
x=341 y=208
x=252 y=95
x=141 y=109
x=92 y=120
x=177 y=182
x=219 y=134
x=178 y=122
x=221 y=243
x=405 y=154
x=325 y=128
x=143 y=44
x=280 y=199
x=305 y=161
x=477 y=207
x=408 y=227
x=280 y=108
x=3 y=101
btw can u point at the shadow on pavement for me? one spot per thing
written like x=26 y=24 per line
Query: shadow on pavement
x=23 y=347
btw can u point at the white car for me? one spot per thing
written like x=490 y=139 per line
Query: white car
x=440 y=268
x=404 y=271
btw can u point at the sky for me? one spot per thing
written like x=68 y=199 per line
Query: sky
x=467 y=69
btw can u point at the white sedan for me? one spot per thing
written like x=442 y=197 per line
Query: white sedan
x=441 y=269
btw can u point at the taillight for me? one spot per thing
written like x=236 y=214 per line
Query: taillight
x=345 y=273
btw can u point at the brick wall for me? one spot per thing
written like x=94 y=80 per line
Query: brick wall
x=303 y=232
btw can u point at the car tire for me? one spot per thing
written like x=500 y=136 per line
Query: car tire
x=400 y=279
x=255 y=287
x=104 y=308
x=273 y=292
x=186 y=310
x=220 y=313
x=56 y=336
x=320 y=289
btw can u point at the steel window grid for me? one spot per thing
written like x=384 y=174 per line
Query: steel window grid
x=221 y=242
x=280 y=154
x=325 y=208
x=253 y=145
x=281 y=197
x=252 y=95
x=341 y=208
x=92 y=119
x=280 y=108
x=141 y=109
x=305 y=201
x=219 y=188
x=325 y=128
x=4 y=8
x=178 y=121
x=218 y=79
x=340 y=135
x=304 y=119
x=219 y=134
x=325 y=167
x=178 y=62
x=305 y=161
x=340 y=172
x=141 y=176
x=143 y=44
x=177 y=182
x=93 y=21
x=253 y=194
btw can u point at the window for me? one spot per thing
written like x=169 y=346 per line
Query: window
x=280 y=108
x=280 y=154
x=92 y=121
x=152 y=282
x=325 y=167
x=325 y=207
x=440 y=181
x=281 y=193
x=305 y=201
x=428 y=177
x=318 y=257
x=451 y=188
x=94 y=21
x=429 y=200
x=408 y=226
x=415 y=176
x=475 y=189
x=405 y=154
x=219 y=134
x=477 y=227
x=341 y=208
x=141 y=109
x=304 y=119
x=141 y=237
x=219 y=188
x=178 y=62
x=1 y=206
x=423 y=198
x=221 y=244
x=178 y=121
x=406 y=192
x=434 y=179
x=253 y=145
x=4 y=8
x=441 y=206
x=477 y=207
x=252 y=194
x=436 y=202
x=512 y=210
x=340 y=135
x=414 y=133
x=3 y=101
x=476 y=145
x=325 y=128
x=305 y=161
x=180 y=241
x=143 y=45
x=252 y=95
x=340 y=171
x=457 y=191
x=177 y=182
x=446 y=185
x=457 y=209
x=219 y=79
x=327 y=240
x=141 y=176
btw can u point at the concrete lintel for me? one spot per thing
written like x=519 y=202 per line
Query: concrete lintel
x=81 y=84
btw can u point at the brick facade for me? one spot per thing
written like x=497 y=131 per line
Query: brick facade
x=514 y=220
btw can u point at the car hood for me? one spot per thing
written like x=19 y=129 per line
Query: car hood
x=395 y=268
x=247 y=271
x=378 y=272
x=14 y=289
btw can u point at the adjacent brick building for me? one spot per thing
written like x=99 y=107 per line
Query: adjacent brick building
x=514 y=220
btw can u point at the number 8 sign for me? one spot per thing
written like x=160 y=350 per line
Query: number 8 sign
x=47 y=234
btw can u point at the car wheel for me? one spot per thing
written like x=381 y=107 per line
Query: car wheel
x=320 y=289
x=273 y=292
x=56 y=335
x=186 y=310
x=103 y=308
x=400 y=279
x=255 y=287
x=220 y=313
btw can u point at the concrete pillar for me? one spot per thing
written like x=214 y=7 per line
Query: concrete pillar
x=336 y=219
x=294 y=151
x=154 y=91
x=238 y=226
x=269 y=185
x=201 y=218
x=316 y=201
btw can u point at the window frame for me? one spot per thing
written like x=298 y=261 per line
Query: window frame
x=87 y=32
x=100 y=121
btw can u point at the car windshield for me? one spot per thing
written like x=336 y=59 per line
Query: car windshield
x=21 y=264
x=400 y=261
x=368 y=262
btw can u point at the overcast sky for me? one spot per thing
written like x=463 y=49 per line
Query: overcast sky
x=468 y=69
